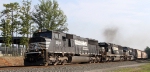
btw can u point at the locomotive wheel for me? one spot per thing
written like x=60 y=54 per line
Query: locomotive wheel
x=129 y=58
x=121 y=58
x=64 y=62
x=112 y=59
x=56 y=62
x=107 y=59
x=125 y=58
x=101 y=59
x=98 y=60
x=91 y=61
x=46 y=64
x=94 y=61
x=50 y=62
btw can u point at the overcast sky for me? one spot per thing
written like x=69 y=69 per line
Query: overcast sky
x=90 y=18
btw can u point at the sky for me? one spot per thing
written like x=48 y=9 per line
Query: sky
x=90 y=18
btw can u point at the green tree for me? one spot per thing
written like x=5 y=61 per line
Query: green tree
x=49 y=16
x=6 y=33
x=147 y=50
x=9 y=22
x=26 y=21
x=11 y=16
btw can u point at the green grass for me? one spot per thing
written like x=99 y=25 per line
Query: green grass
x=142 y=68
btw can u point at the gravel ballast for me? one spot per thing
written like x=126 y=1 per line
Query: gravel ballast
x=94 y=67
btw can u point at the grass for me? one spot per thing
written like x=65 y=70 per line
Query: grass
x=142 y=68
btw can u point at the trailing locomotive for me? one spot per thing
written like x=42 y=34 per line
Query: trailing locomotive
x=52 y=47
x=111 y=52
x=128 y=53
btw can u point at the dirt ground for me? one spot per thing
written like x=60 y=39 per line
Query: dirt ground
x=11 y=61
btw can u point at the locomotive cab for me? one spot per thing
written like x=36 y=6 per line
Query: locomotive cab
x=111 y=52
x=106 y=51
x=38 y=45
x=128 y=53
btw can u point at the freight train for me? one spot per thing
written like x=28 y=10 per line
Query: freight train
x=52 y=47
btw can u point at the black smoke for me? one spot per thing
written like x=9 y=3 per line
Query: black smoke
x=111 y=34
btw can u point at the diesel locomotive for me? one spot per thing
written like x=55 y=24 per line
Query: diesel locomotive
x=53 y=47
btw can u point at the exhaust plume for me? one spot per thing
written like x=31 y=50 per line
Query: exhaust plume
x=135 y=40
x=110 y=34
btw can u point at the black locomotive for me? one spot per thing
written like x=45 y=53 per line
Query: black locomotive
x=52 y=47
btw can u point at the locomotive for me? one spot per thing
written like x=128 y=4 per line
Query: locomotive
x=53 y=47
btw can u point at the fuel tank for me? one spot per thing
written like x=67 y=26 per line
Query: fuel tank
x=79 y=59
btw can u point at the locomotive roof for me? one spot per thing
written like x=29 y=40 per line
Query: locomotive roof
x=108 y=43
x=92 y=39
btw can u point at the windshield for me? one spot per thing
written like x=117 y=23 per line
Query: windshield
x=125 y=49
x=102 y=44
x=43 y=34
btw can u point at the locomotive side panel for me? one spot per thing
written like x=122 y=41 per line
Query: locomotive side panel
x=120 y=50
x=80 y=45
x=93 y=47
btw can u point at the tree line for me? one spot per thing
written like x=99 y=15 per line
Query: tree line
x=19 y=19
x=147 y=50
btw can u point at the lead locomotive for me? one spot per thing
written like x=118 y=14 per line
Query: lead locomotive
x=52 y=47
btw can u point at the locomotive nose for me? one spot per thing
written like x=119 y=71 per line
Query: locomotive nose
x=37 y=43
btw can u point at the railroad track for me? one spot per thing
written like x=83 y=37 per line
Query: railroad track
x=69 y=67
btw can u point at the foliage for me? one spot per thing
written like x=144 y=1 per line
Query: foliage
x=5 y=27
x=26 y=22
x=9 y=21
x=49 y=16
x=18 y=18
x=147 y=50
x=12 y=10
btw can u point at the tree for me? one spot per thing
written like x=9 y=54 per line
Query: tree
x=49 y=16
x=11 y=15
x=26 y=22
x=9 y=22
x=6 y=33
x=147 y=50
